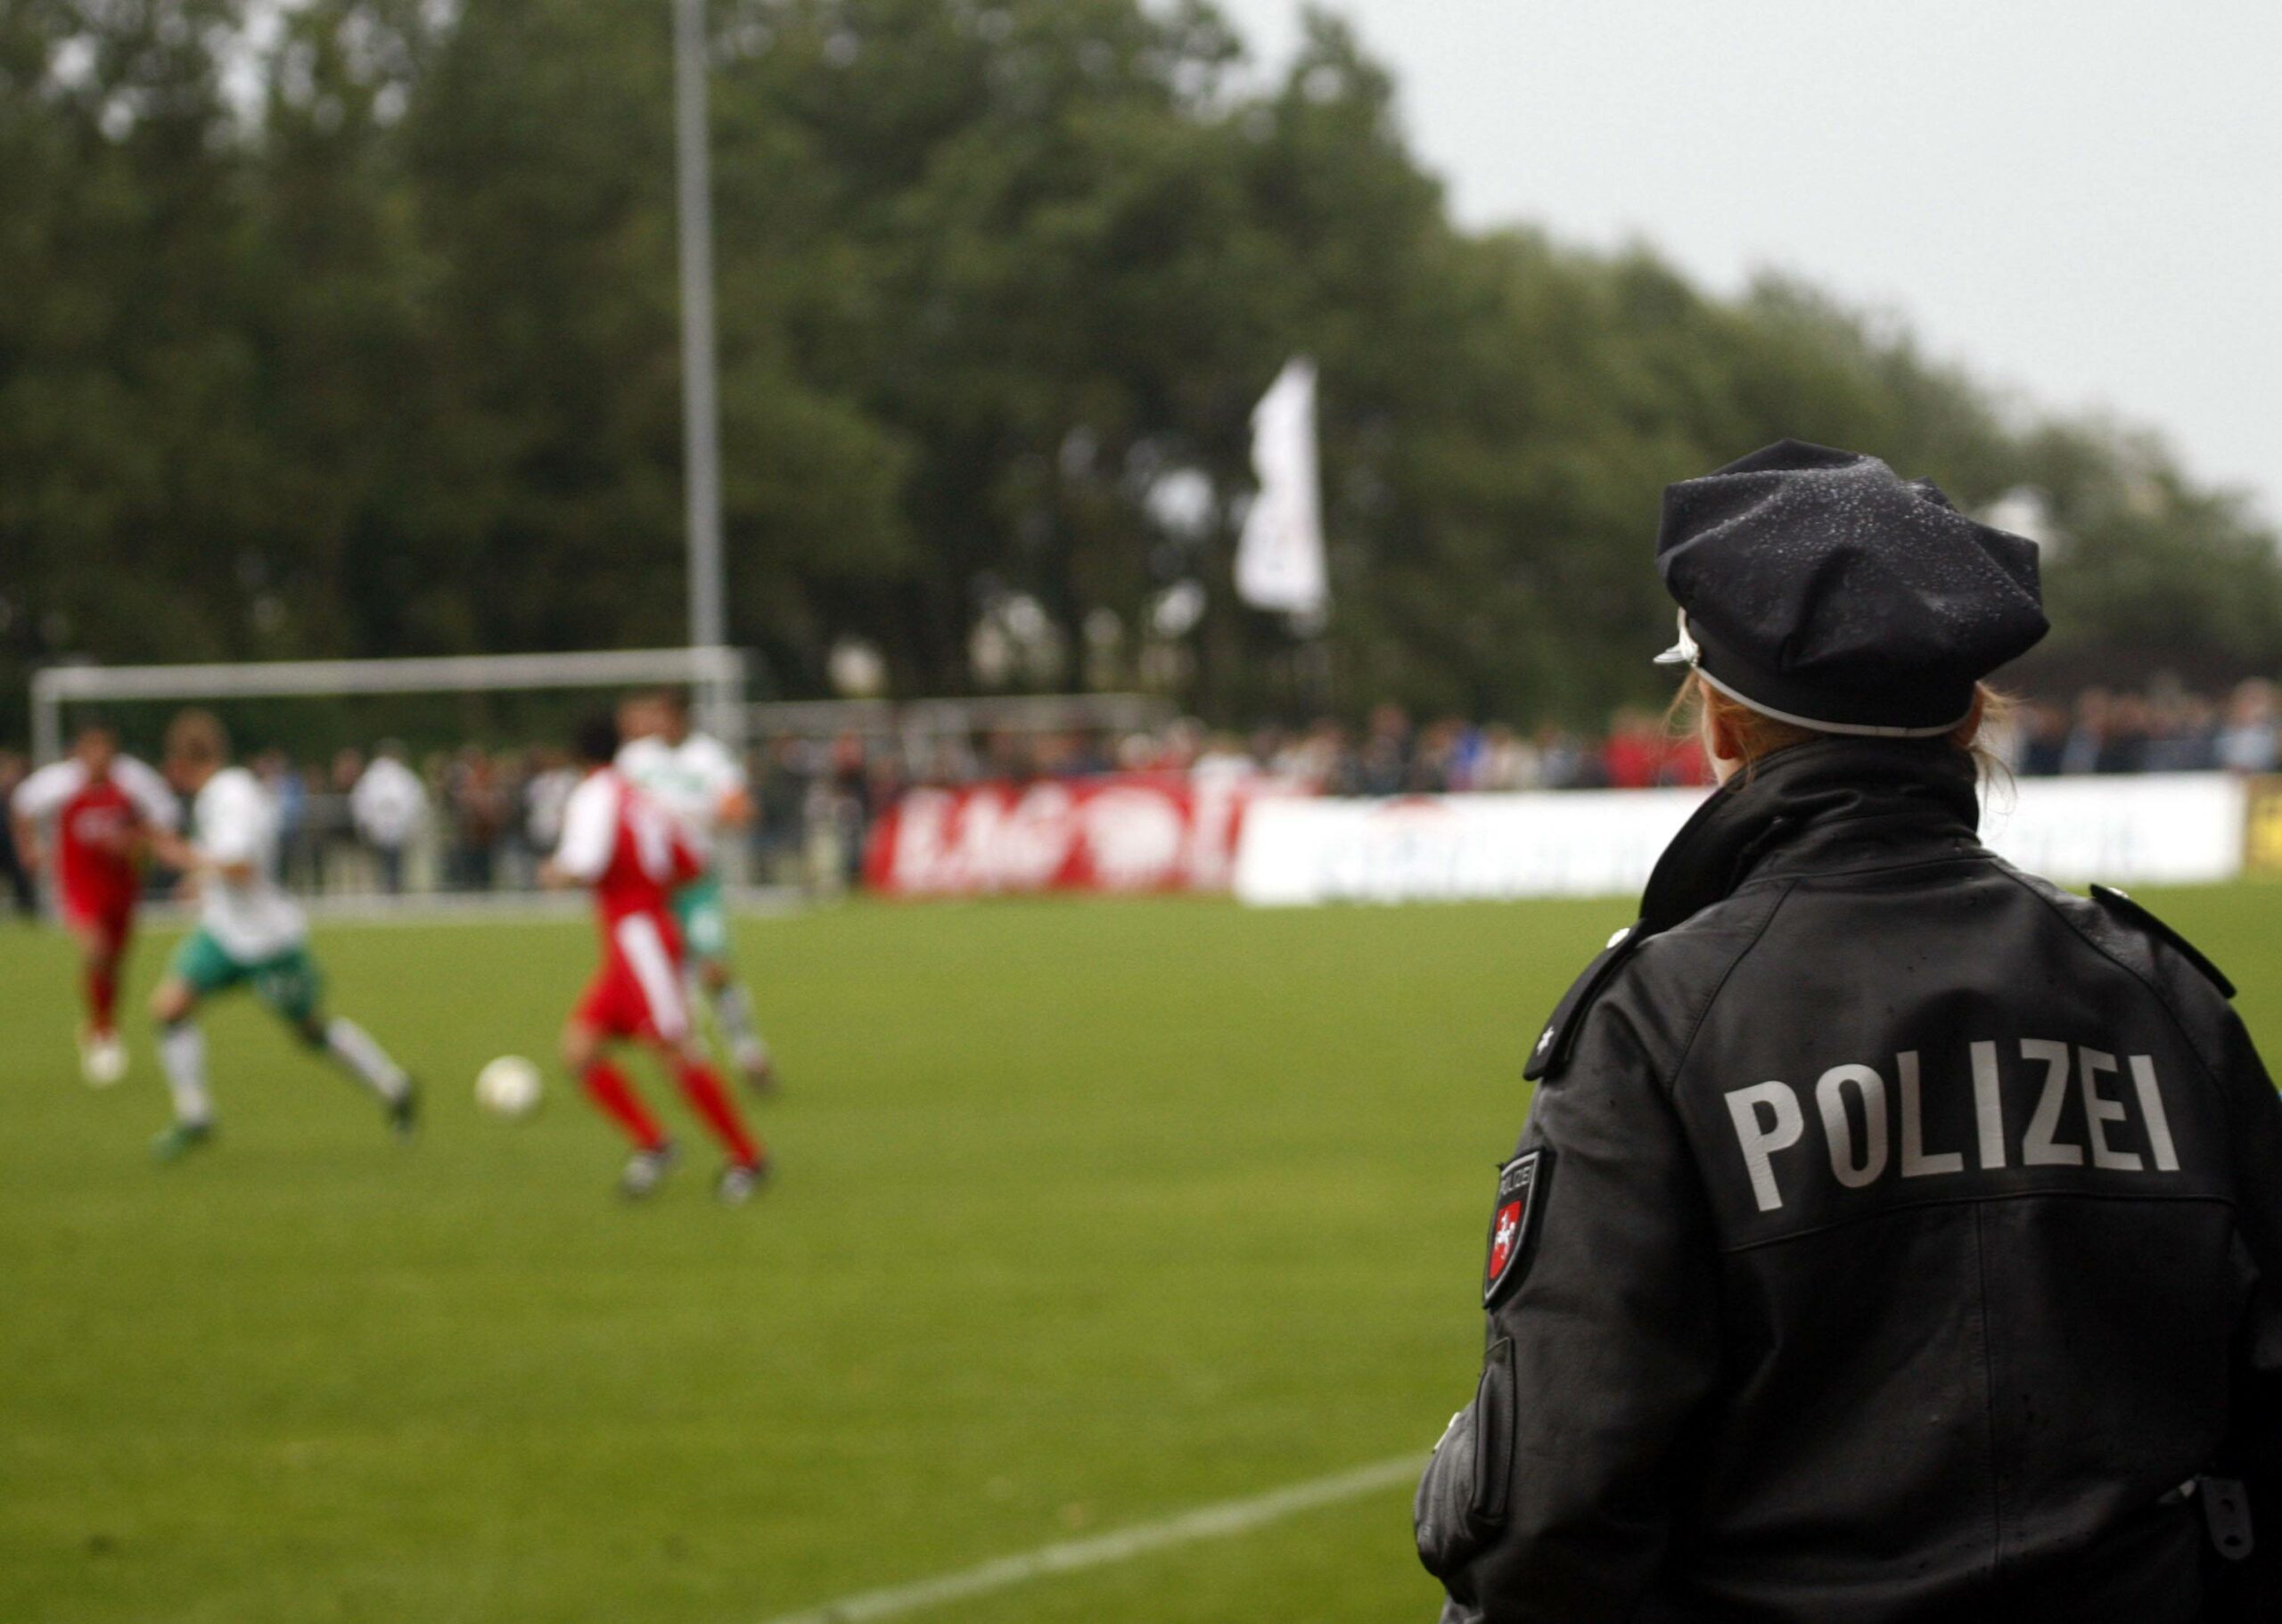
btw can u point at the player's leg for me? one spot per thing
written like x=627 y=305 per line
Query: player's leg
x=604 y=1012
x=293 y=988
x=199 y=969
x=653 y=972
x=102 y=940
x=733 y=1009
x=703 y=917
x=745 y=1158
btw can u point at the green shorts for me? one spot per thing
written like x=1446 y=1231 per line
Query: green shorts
x=288 y=983
x=704 y=921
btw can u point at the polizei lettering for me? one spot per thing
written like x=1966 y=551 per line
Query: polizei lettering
x=1873 y=1121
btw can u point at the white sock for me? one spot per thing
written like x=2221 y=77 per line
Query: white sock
x=354 y=1048
x=733 y=1010
x=182 y=1054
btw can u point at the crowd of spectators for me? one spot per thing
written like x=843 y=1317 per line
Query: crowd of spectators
x=19 y=887
x=474 y=819
x=1388 y=755
x=470 y=819
x=2167 y=729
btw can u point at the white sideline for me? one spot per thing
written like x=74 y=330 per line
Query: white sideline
x=1224 y=1521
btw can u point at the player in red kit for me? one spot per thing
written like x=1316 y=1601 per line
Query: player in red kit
x=631 y=853
x=100 y=809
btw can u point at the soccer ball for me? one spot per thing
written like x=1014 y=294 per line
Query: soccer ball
x=509 y=1087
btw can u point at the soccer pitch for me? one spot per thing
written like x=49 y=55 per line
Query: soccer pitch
x=1089 y=1215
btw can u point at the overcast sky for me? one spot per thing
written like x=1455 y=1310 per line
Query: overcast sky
x=2081 y=202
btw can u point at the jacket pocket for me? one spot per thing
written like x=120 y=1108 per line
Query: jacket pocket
x=1461 y=1501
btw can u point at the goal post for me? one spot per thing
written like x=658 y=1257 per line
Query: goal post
x=716 y=676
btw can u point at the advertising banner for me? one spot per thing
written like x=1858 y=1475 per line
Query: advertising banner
x=2263 y=826
x=1123 y=833
x=1458 y=848
x=2162 y=828
x=2156 y=829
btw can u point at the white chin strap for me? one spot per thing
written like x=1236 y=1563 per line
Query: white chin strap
x=1687 y=653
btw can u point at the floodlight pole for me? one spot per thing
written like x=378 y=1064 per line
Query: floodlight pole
x=720 y=700
x=700 y=409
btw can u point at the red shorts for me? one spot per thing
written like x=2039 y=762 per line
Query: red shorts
x=111 y=919
x=638 y=992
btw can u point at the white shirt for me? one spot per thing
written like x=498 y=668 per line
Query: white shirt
x=589 y=827
x=544 y=799
x=1219 y=767
x=2249 y=749
x=46 y=792
x=691 y=780
x=236 y=822
x=602 y=805
x=387 y=802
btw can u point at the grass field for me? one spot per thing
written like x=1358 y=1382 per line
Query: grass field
x=1089 y=1215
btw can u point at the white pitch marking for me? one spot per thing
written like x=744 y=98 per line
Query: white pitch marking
x=1224 y=1521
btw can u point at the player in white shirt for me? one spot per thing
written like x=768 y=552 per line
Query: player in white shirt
x=703 y=785
x=249 y=933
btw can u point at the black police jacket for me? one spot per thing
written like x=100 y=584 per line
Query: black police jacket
x=1893 y=1239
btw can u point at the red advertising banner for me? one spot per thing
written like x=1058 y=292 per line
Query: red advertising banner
x=1122 y=833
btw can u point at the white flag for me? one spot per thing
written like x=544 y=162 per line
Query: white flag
x=1279 y=556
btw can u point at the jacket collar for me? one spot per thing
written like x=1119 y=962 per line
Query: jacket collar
x=1833 y=803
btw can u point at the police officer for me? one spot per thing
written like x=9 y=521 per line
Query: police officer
x=1895 y=1236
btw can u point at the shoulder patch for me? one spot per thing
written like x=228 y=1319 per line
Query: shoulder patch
x=1513 y=1221
x=2130 y=914
x=1551 y=1050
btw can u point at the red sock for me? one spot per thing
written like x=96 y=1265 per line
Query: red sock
x=607 y=1087
x=102 y=999
x=709 y=1100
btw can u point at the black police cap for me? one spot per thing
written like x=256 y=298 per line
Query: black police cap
x=1818 y=586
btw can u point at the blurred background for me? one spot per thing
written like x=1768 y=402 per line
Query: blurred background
x=1124 y=445
x=349 y=329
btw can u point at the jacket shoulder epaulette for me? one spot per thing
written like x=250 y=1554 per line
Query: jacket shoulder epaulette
x=2128 y=914
x=1552 y=1049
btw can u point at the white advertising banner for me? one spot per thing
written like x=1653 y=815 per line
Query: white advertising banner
x=2159 y=829
x=1457 y=847
x=2167 y=828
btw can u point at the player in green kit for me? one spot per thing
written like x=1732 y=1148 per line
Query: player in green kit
x=703 y=785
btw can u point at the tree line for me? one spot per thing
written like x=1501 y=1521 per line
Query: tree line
x=351 y=329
